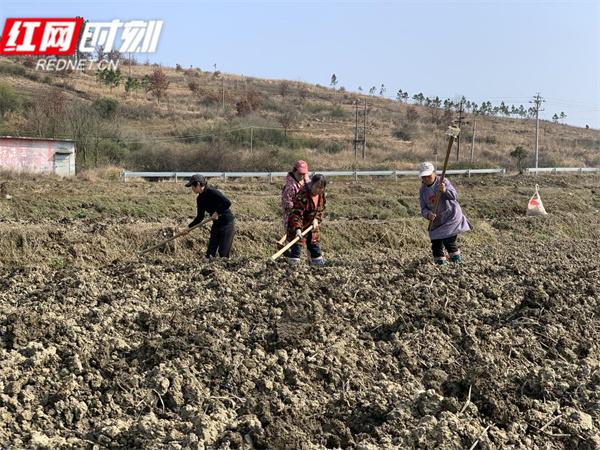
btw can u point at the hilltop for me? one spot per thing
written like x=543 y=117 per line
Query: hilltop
x=212 y=120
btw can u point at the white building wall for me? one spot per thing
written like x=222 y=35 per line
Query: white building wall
x=37 y=155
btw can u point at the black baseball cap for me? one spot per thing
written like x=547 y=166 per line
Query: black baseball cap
x=196 y=179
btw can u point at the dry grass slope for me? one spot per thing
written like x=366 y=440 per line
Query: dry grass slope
x=192 y=128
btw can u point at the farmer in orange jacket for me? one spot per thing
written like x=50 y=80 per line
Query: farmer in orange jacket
x=308 y=209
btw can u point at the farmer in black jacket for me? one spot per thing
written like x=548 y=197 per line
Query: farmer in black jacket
x=213 y=202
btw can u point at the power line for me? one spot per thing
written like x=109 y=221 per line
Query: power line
x=572 y=107
x=573 y=102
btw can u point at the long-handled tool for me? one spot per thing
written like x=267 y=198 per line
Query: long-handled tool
x=172 y=238
x=289 y=244
x=453 y=134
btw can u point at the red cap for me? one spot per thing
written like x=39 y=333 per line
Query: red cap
x=301 y=167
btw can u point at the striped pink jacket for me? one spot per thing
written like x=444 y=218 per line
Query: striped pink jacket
x=291 y=188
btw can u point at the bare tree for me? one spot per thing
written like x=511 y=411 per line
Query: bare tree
x=114 y=55
x=254 y=98
x=284 y=88
x=193 y=86
x=250 y=101
x=288 y=117
x=83 y=127
x=519 y=153
x=100 y=54
x=158 y=83
x=47 y=114
x=302 y=92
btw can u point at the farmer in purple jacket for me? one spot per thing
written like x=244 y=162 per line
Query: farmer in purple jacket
x=449 y=220
x=296 y=179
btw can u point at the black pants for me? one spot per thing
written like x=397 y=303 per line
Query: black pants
x=221 y=238
x=313 y=249
x=437 y=246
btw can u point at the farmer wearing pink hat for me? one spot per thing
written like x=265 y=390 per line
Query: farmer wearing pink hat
x=296 y=179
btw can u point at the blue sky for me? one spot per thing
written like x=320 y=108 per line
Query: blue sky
x=484 y=50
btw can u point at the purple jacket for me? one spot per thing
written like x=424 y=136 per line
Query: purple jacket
x=450 y=219
x=291 y=188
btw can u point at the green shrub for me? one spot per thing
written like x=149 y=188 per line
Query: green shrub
x=32 y=76
x=314 y=107
x=12 y=69
x=262 y=137
x=9 y=101
x=112 y=152
x=332 y=147
x=272 y=105
x=306 y=142
x=107 y=107
x=132 y=84
x=141 y=112
x=486 y=139
x=197 y=157
x=338 y=112
x=588 y=143
x=402 y=134
x=191 y=135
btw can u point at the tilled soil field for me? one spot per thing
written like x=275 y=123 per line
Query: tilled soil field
x=379 y=349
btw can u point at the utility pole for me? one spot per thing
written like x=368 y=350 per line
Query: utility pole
x=364 y=141
x=355 y=128
x=537 y=101
x=459 y=122
x=360 y=130
x=473 y=144
x=223 y=88
x=251 y=139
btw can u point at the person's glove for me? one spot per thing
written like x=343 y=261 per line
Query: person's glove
x=299 y=233
x=315 y=224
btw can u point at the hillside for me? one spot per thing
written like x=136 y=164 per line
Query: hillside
x=192 y=128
